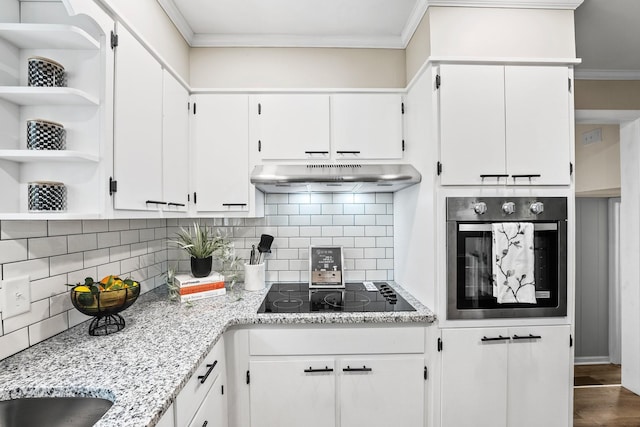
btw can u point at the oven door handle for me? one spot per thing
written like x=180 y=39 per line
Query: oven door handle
x=543 y=226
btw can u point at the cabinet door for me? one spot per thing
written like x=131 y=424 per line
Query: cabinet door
x=138 y=125
x=284 y=393
x=540 y=377
x=474 y=377
x=472 y=120
x=366 y=126
x=382 y=391
x=538 y=124
x=220 y=152
x=292 y=126
x=213 y=410
x=175 y=143
x=167 y=419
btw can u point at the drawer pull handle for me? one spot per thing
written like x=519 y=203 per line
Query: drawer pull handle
x=350 y=369
x=316 y=152
x=175 y=204
x=527 y=337
x=325 y=369
x=347 y=152
x=234 y=204
x=498 y=338
x=494 y=176
x=526 y=176
x=204 y=377
x=155 y=202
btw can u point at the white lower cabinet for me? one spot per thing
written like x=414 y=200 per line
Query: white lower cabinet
x=203 y=398
x=515 y=377
x=343 y=377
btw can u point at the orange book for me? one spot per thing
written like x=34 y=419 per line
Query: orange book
x=201 y=288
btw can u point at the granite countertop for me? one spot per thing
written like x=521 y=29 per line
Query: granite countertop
x=143 y=367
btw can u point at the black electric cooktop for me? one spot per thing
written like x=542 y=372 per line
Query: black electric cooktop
x=298 y=298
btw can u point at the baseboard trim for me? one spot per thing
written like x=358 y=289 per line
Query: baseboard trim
x=592 y=360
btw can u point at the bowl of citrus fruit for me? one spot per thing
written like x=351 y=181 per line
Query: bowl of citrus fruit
x=104 y=300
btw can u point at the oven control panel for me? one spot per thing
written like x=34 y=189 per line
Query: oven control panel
x=489 y=209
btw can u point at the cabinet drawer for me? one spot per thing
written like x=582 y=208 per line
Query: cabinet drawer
x=199 y=384
x=334 y=340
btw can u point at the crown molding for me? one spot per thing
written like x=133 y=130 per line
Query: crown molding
x=414 y=20
x=178 y=20
x=241 y=40
x=528 y=4
x=594 y=74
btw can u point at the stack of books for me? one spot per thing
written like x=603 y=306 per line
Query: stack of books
x=194 y=288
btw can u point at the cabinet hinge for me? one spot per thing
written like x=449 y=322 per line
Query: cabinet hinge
x=402 y=108
x=569 y=85
x=439 y=168
x=259 y=108
x=188 y=106
x=437 y=81
x=195 y=198
x=113 y=186
x=222 y=389
x=248 y=377
x=403 y=145
x=570 y=168
x=114 y=40
x=188 y=197
x=259 y=146
x=194 y=108
x=426 y=373
x=439 y=344
x=570 y=340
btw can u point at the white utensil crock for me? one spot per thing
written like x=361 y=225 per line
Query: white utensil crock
x=254 y=277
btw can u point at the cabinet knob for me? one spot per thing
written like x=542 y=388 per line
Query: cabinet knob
x=480 y=208
x=508 y=208
x=536 y=208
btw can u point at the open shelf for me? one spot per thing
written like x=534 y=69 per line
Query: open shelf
x=31 y=95
x=47 y=36
x=26 y=156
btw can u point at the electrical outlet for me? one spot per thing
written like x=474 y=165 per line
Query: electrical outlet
x=15 y=296
x=592 y=137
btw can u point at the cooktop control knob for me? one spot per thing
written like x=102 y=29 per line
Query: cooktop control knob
x=508 y=208
x=480 y=208
x=536 y=208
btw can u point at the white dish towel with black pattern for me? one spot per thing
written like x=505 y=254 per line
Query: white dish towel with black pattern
x=513 y=262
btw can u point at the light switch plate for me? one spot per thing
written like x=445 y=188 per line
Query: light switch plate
x=15 y=296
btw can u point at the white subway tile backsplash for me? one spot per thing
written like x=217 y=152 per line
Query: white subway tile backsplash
x=288 y=232
x=112 y=268
x=347 y=242
x=106 y=240
x=48 y=287
x=13 y=250
x=22 y=229
x=376 y=275
x=332 y=230
x=94 y=226
x=82 y=242
x=156 y=223
x=75 y=318
x=136 y=224
x=365 y=242
x=66 y=263
x=384 y=264
x=118 y=224
x=34 y=268
x=298 y=264
x=364 y=198
x=64 y=228
x=147 y=234
x=131 y=264
x=374 y=253
x=276 y=198
x=353 y=253
x=365 y=220
x=277 y=264
x=296 y=220
x=286 y=254
x=321 y=220
x=318 y=241
x=342 y=220
x=354 y=209
x=322 y=198
x=97 y=257
x=288 y=209
x=48 y=328
x=138 y=249
x=375 y=209
x=130 y=236
x=75 y=277
x=313 y=231
x=277 y=220
x=11 y=343
x=355 y=231
x=342 y=198
x=384 y=197
x=289 y=276
x=332 y=209
x=311 y=209
x=366 y=264
x=375 y=230
x=384 y=242
x=119 y=253
x=39 y=311
x=60 y=303
x=47 y=246
x=299 y=198
x=384 y=220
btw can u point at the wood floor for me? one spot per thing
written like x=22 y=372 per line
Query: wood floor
x=599 y=400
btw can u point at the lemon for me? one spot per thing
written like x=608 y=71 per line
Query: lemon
x=82 y=288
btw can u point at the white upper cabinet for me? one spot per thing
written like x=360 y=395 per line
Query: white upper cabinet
x=538 y=124
x=138 y=126
x=291 y=126
x=366 y=126
x=505 y=125
x=175 y=143
x=220 y=141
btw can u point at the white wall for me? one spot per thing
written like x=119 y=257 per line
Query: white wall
x=598 y=164
x=630 y=253
x=502 y=32
x=228 y=67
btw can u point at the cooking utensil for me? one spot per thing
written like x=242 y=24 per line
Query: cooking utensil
x=252 y=258
x=264 y=246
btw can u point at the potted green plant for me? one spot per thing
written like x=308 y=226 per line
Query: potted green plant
x=201 y=244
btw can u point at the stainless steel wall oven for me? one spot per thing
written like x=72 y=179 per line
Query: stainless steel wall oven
x=470 y=281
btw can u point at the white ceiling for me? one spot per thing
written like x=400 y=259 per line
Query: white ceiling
x=607 y=31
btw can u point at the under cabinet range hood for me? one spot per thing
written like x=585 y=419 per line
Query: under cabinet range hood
x=334 y=178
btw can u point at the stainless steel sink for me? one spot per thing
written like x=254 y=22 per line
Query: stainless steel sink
x=52 y=411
